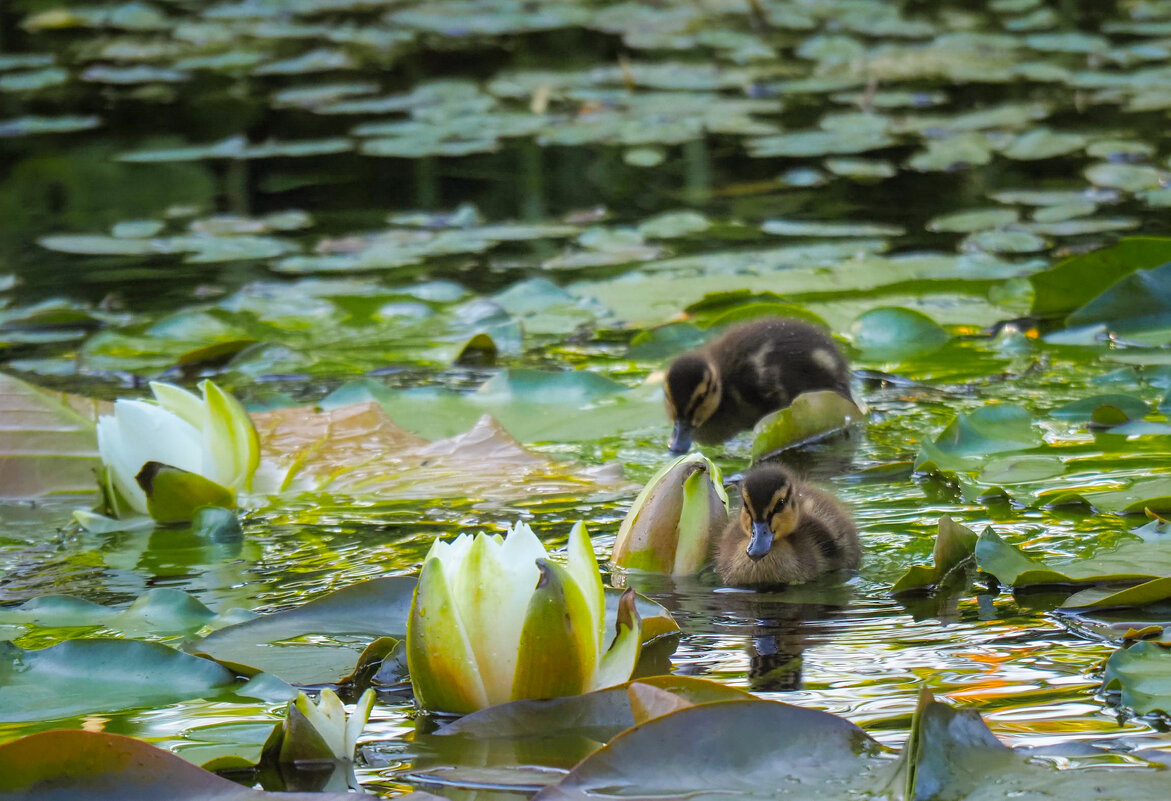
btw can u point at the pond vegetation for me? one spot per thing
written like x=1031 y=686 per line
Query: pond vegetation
x=377 y=221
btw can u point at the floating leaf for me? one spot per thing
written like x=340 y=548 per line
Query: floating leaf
x=811 y=416
x=766 y=749
x=969 y=438
x=1142 y=674
x=45 y=446
x=968 y=221
x=1078 y=279
x=97 y=766
x=1130 y=562
x=890 y=334
x=80 y=676
x=954 y=549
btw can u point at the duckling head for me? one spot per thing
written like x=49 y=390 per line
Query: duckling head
x=770 y=510
x=693 y=395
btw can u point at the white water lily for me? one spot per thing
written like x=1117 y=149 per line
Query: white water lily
x=211 y=436
x=322 y=731
x=669 y=526
x=494 y=620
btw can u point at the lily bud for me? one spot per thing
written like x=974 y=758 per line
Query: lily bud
x=210 y=438
x=669 y=526
x=494 y=620
x=322 y=732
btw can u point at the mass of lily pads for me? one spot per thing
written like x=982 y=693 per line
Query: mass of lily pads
x=386 y=289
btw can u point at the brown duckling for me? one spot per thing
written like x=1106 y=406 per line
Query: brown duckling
x=788 y=532
x=751 y=370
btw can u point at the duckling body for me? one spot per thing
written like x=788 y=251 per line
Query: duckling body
x=787 y=533
x=751 y=370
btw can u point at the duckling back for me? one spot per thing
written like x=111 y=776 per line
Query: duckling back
x=763 y=365
x=824 y=540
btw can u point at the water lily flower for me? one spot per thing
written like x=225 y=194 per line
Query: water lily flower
x=322 y=731
x=669 y=526
x=495 y=620
x=211 y=437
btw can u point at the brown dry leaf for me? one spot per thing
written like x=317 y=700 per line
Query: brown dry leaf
x=46 y=445
x=357 y=450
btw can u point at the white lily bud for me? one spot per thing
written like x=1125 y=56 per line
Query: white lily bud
x=323 y=732
x=494 y=620
x=212 y=437
x=669 y=527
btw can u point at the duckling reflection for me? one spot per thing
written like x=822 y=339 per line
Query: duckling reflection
x=753 y=369
x=787 y=533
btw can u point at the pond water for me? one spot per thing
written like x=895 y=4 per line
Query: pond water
x=353 y=189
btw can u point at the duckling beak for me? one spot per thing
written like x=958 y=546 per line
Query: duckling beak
x=680 y=439
x=762 y=540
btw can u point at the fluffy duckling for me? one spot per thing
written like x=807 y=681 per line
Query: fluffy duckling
x=788 y=532
x=751 y=370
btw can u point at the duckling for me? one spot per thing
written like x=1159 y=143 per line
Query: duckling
x=751 y=370
x=787 y=532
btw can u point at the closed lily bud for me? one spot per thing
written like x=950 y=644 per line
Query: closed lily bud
x=495 y=620
x=203 y=447
x=669 y=527
x=322 y=732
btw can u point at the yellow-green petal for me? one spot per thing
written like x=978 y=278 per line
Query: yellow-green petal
x=704 y=514
x=583 y=566
x=556 y=640
x=230 y=436
x=439 y=656
x=620 y=658
x=180 y=402
x=173 y=495
x=303 y=740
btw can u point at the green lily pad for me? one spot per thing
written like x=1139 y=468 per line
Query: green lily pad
x=969 y=438
x=97 y=766
x=998 y=241
x=1043 y=143
x=1083 y=410
x=1079 y=279
x=895 y=334
x=964 y=222
x=80 y=676
x=765 y=750
x=811 y=416
x=1133 y=562
x=954 y=550
x=318 y=642
x=811 y=229
x=1142 y=674
x=1139 y=301
x=952 y=754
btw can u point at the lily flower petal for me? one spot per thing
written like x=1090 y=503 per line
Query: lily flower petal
x=583 y=567
x=619 y=660
x=673 y=518
x=440 y=657
x=552 y=657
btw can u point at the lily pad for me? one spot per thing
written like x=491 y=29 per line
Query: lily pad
x=895 y=334
x=1133 y=562
x=811 y=416
x=765 y=750
x=45 y=446
x=97 y=766
x=1139 y=301
x=318 y=642
x=1142 y=675
x=80 y=676
x=1078 y=279
x=969 y=438
x=964 y=222
x=954 y=549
